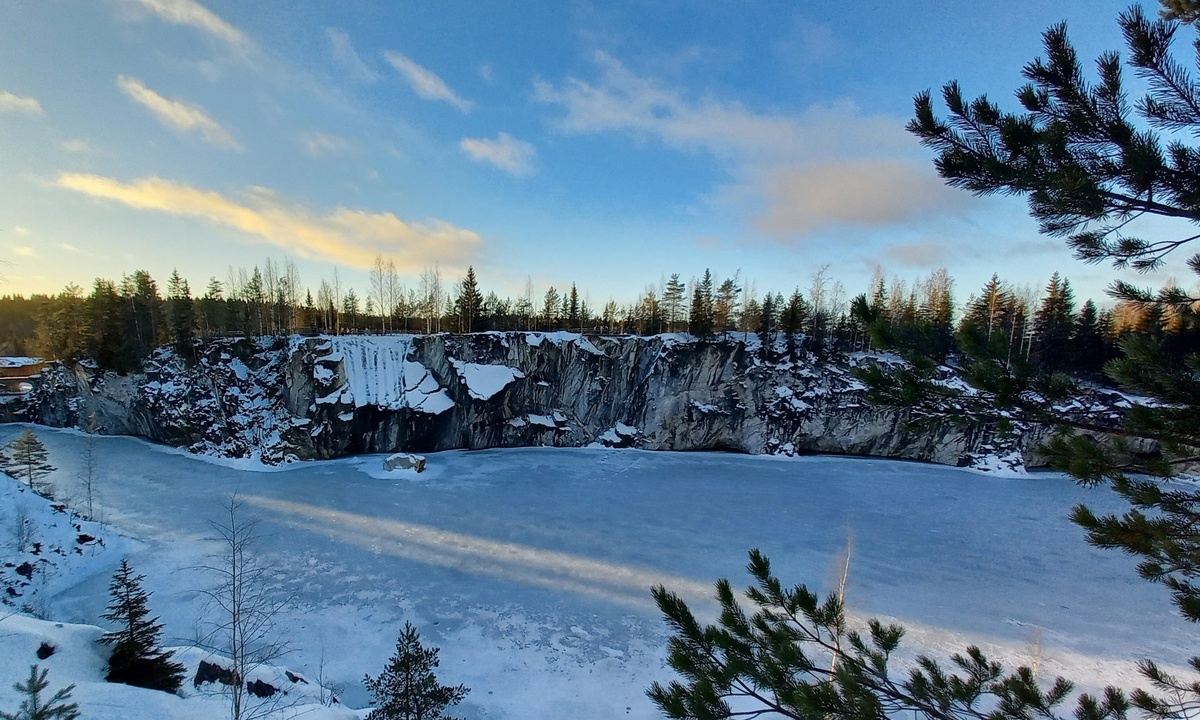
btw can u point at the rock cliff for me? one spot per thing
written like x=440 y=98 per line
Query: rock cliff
x=325 y=397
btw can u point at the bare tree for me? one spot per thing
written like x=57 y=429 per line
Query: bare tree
x=91 y=466
x=394 y=293
x=244 y=609
x=378 y=291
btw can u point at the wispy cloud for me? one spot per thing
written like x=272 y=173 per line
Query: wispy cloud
x=24 y=251
x=346 y=236
x=424 y=82
x=76 y=145
x=193 y=14
x=177 y=114
x=505 y=152
x=319 y=144
x=68 y=247
x=22 y=231
x=828 y=166
x=10 y=103
x=346 y=56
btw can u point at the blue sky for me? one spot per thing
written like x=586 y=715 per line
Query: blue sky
x=608 y=144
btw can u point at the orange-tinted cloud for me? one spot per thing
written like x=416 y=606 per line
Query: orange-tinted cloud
x=345 y=236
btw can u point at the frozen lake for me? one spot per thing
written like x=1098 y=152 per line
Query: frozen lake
x=531 y=568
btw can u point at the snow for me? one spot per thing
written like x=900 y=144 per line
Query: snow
x=531 y=568
x=543 y=420
x=484 y=381
x=562 y=337
x=18 y=361
x=378 y=372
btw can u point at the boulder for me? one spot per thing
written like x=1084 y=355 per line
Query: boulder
x=404 y=461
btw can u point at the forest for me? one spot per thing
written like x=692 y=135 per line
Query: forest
x=117 y=324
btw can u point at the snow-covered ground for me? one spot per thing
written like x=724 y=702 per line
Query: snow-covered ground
x=531 y=568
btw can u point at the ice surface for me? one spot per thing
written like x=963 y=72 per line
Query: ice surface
x=531 y=568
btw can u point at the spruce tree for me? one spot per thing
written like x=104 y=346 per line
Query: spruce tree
x=29 y=459
x=407 y=689
x=33 y=707
x=700 y=318
x=469 y=303
x=1054 y=324
x=136 y=657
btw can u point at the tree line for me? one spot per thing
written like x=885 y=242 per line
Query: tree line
x=118 y=324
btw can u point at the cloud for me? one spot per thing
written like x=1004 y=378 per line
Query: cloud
x=10 y=103
x=319 y=144
x=193 y=14
x=829 y=165
x=505 y=152
x=22 y=231
x=24 y=251
x=863 y=192
x=181 y=116
x=346 y=56
x=345 y=236
x=76 y=145
x=68 y=247
x=425 y=83
x=928 y=254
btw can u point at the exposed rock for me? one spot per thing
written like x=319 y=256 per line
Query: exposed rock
x=260 y=689
x=211 y=672
x=404 y=461
x=325 y=397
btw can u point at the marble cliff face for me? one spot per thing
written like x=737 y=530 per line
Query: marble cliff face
x=326 y=397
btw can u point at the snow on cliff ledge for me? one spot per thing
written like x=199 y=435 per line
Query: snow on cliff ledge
x=378 y=372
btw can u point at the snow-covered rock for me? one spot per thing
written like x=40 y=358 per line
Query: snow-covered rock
x=404 y=461
x=280 y=399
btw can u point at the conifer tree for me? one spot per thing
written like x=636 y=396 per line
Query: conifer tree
x=550 y=309
x=33 y=707
x=407 y=689
x=672 y=302
x=572 y=311
x=1054 y=324
x=793 y=318
x=182 y=314
x=136 y=657
x=766 y=326
x=29 y=460
x=469 y=303
x=700 y=318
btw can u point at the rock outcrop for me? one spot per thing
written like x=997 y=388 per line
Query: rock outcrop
x=325 y=397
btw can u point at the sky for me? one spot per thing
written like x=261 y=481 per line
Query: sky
x=609 y=144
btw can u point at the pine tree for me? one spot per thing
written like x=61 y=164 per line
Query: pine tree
x=1089 y=158
x=407 y=689
x=136 y=657
x=29 y=460
x=34 y=708
x=791 y=655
